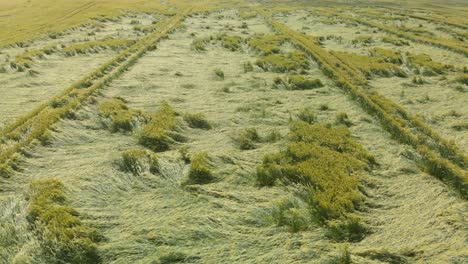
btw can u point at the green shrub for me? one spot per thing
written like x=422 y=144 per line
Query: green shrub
x=307 y=115
x=343 y=119
x=62 y=235
x=324 y=107
x=323 y=159
x=284 y=62
x=363 y=40
x=273 y=136
x=137 y=161
x=343 y=258
x=219 y=73
x=247 y=138
x=248 y=67
x=156 y=135
x=395 y=41
x=424 y=64
x=291 y=212
x=199 y=44
x=462 y=78
x=267 y=44
x=299 y=82
x=122 y=118
x=350 y=230
x=197 y=120
x=200 y=172
x=231 y=43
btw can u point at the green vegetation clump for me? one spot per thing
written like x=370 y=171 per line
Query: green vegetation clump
x=370 y=66
x=462 y=78
x=247 y=14
x=325 y=160
x=248 y=67
x=292 y=61
x=299 y=82
x=95 y=46
x=366 y=40
x=62 y=235
x=267 y=44
x=385 y=55
x=395 y=41
x=248 y=138
x=197 y=120
x=199 y=44
x=231 y=43
x=424 y=64
x=200 y=172
x=137 y=161
x=343 y=119
x=307 y=115
x=219 y=74
x=292 y=213
x=158 y=134
x=122 y=117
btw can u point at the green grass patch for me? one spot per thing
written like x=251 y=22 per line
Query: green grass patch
x=200 y=169
x=248 y=138
x=159 y=133
x=395 y=41
x=300 y=82
x=267 y=44
x=63 y=237
x=462 y=78
x=96 y=46
x=122 y=118
x=197 y=120
x=291 y=61
x=325 y=160
x=137 y=161
x=423 y=63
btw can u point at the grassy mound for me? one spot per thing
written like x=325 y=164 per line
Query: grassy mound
x=197 y=120
x=292 y=61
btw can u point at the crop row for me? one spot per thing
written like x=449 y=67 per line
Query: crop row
x=32 y=126
x=450 y=45
x=437 y=155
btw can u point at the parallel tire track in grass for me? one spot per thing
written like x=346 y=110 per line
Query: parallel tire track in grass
x=437 y=156
x=33 y=125
x=449 y=45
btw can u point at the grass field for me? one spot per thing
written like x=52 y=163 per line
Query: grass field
x=233 y=132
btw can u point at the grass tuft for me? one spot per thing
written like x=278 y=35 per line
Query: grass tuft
x=248 y=138
x=200 y=172
x=197 y=120
x=137 y=161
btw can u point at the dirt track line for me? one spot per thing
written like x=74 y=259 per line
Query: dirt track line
x=26 y=129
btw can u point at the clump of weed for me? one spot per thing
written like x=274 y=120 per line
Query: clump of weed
x=248 y=67
x=365 y=40
x=200 y=172
x=324 y=107
x=351 y=230
x=299 y=82
x=219 y=74
x=385 y=55
x=292 y=61
x=248 y=138
x=418 y=80
x=324 y=160
x=121 y=117
x=292 y=213
x=423 y=63
x=62 y=235
x=247 y=14
x=197 y=120
x=343 y=119
x=137 y=161
x=344 y=257
x=370 y=66
x=307 y=115
x=199 y=44
x=231 y=43
x=273 y=136
x=462 y=78
x=395 y=41
x=159 y=133
x=184 y=154
x=267 y=44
